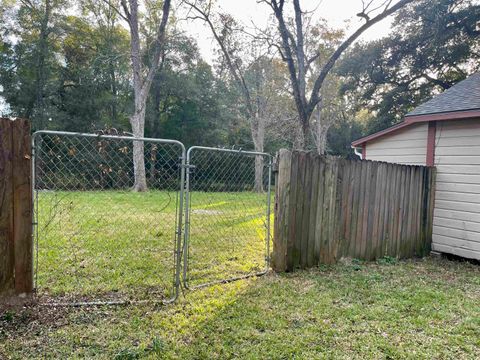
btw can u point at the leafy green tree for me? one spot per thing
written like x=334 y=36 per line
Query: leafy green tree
x=433 y=45
x=28 y=62
x=186 y=98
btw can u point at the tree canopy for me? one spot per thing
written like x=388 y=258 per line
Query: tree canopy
x=433 y=45
x=67 y=66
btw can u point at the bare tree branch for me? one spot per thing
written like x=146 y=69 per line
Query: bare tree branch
x=204 y=14
x=336 y=55
x=116 y=10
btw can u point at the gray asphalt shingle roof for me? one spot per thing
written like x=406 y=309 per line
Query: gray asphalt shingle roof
x=463 y=96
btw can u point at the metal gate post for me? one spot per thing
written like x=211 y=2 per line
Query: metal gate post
x=178 y=250
x=269 y=200
x=187 y=220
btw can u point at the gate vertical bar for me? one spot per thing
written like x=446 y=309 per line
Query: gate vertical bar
x=178 y=250
x=187 y=220
x=269 y=200
x=34 y=218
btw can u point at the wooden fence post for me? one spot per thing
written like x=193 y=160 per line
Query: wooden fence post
x=22 y=206
x=7 y=262
x=16 y=270
x=280 y=237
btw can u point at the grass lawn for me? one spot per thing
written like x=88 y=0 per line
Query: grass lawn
x=414 y=309
x=118 y=245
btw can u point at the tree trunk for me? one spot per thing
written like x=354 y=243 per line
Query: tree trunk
x=321 y=139
x=113 y=88
x=258 y=137
x=36 y=108
x=142 y=84
x=137 y=121
x=321 y=131
x=303 y=136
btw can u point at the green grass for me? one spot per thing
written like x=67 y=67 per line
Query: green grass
x=419 y=309
x=113 y=244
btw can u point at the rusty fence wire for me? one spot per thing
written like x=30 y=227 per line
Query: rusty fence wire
x=96 y=240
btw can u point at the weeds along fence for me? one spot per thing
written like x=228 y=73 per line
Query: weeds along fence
x=327 y=208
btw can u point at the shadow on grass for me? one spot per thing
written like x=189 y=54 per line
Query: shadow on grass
x=410 y=309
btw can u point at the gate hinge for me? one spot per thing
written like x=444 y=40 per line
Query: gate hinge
x=188 y=166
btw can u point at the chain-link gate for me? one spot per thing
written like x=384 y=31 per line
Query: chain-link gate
x=227 y=222
x=96 y=239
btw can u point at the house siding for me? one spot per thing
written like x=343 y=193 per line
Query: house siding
x=406 y=146
x=456 y=223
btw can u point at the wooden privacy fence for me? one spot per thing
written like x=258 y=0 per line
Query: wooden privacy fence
x=15 y=208
x=327 y=208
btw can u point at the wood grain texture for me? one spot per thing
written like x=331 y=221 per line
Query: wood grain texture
x=332 y=208
x=7 y=255
x=22 y=206
x=16 y=270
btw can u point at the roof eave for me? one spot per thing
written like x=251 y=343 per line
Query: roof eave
x=452 y=115
x=413 y=119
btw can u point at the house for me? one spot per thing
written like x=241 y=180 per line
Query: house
x=443 y=132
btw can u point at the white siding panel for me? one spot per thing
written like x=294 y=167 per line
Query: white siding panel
x=456 y=196
x=460 y=169
x=469 y=236
x=458 y=128
x=401 y=144
x=406 y=146
x=457 y=187
x=456 y=242
x=458 y=150
x=456 y=215
x=458 y=178
x=473 y=159
x=467 y=253
x=458 y=205
x=458 y=141
x=456 y=223
x=401 y=152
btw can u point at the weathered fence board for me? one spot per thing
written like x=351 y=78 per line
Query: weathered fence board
x=6 y=208
x=15 y=208
x=327 y=208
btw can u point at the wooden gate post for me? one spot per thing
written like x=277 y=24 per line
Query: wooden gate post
x=16 y=270
x=282 y=194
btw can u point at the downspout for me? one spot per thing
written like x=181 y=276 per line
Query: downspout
x=363 y=154
x=359 y=154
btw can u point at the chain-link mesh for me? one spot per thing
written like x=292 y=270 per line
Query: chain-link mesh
x=96 y=238
x=228 y=218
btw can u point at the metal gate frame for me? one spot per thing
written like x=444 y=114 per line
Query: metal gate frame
x=183 y=213
x=180 y=206
x=190 y=166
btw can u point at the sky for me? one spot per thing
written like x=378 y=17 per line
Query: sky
x=338 y=13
